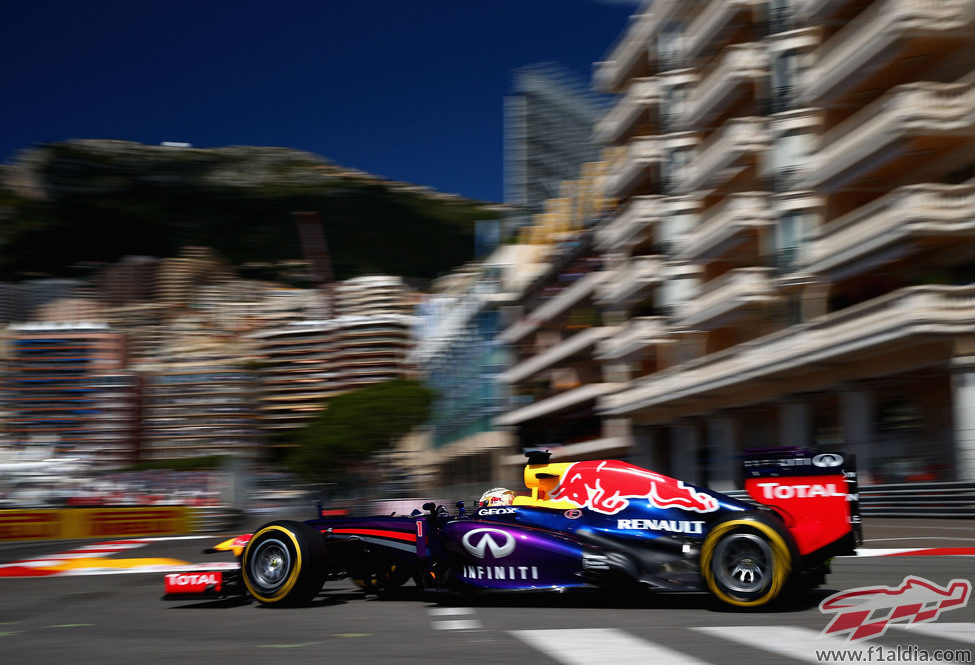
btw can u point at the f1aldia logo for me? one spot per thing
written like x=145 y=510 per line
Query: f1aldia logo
x=866 y=612
x=484 y=541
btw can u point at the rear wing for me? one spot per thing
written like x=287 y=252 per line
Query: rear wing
x=815 y=493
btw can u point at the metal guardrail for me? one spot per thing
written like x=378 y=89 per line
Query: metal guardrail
x=946 y=499
x=942 y=499
x=210 y=519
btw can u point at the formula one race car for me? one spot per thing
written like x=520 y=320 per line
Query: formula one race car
x=582 y=525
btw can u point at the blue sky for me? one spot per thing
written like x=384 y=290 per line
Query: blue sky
x=408 y=89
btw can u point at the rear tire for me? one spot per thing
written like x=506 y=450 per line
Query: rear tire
x=747 y=560
x=284 y=563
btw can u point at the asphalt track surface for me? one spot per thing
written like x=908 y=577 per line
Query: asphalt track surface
x=118 y=617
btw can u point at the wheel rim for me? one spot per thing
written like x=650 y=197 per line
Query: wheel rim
x=270 y=564
x=743 y=563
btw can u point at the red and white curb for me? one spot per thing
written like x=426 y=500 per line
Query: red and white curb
x=916 y=551
x=93 y=559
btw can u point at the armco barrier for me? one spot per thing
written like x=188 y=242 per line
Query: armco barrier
x=944 y=499
x=45 y=524
x=918 y=500
x=210 y=519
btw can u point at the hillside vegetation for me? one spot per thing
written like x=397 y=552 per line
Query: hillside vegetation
x=94 y=200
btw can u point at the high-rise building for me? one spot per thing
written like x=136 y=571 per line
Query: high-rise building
x=303 y=364
x=35 y=293
x=68 y=386
x=128 y=282
x=11 y=304
x=793 y=254
x=373 y=294
x=461 y=356
x=548 y=121
x=198 y=408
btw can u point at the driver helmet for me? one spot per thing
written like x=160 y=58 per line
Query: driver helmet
x=499 y=496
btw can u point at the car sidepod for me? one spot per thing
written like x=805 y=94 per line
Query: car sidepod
x=494 y=555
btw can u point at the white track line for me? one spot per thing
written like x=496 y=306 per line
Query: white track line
x=449 y=611
x=595 y=646
x=961 y=632
x=457 y=624
x=453 y=624
x=799 y=643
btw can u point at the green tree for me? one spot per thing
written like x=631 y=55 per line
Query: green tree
x=355 y=425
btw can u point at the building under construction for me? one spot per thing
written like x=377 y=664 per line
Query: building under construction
x=548 y=122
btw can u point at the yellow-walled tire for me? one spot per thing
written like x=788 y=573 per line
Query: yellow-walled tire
x=284 y=563
x=747 y=560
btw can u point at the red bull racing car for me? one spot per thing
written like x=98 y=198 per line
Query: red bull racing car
x=580 y=525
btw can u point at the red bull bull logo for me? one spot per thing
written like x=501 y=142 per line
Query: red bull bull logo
x=867 y=612
x=608 y=486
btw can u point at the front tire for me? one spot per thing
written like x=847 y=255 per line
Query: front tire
x=283 y=563
x=747 y=561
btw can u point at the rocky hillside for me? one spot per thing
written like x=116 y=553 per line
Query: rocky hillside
x=83 y=201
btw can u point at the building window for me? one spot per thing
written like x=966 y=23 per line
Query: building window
x=792 y=231
x=780 y=16
x=670 y=47
x=790 y=157
x=677 y=160
x=672 y=107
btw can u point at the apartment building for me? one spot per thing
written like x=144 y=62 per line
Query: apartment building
x=792 y=255
x=67 y=386
x=558 y=322
x=461 y=356
x=194 y=408
x=295 y=372
x=303 y=364
x=373 y=294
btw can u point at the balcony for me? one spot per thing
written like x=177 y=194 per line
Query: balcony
x=623 y=60
x=629 y=283
x=633 y=338
x=569 y=399
x=733 y=77
x=738 y=219
x=893 y=226
x=888 y=34
x=579 y=290
x=564 y=351
x=728 y=152
x=734 y=293
x=640 y=155
x=843 y=338
x=632 y=225
x=923 y=117
x=706 y=29
x=815 y=11
x=641 y=99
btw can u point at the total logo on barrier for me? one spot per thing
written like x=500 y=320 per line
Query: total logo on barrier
x=495 y=542
x=777 y=491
